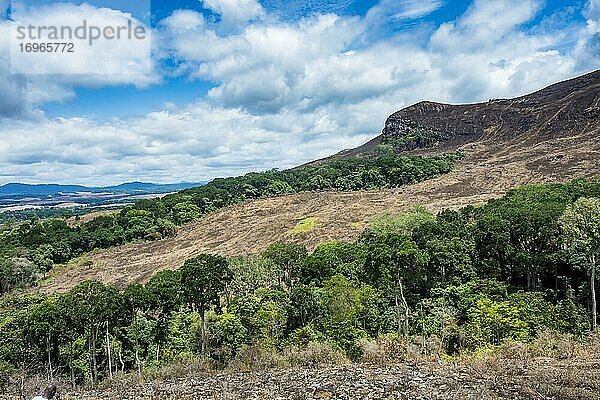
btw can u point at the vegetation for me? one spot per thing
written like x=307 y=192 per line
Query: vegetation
x=28 y=250
x=305 y=225
x=467 y=279
x=415 y=138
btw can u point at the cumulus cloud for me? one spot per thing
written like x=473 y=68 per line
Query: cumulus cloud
x=115 y=61
x=235 y=13
x=587 y=49
x=271 y=67
x=29 y=80
x=160 y=146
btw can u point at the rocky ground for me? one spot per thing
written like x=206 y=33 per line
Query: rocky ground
x=542 y=378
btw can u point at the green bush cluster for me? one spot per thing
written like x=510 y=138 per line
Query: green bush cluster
x=415 y=138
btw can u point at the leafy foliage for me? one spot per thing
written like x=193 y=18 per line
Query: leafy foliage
x=468 y=278
x=415 y=138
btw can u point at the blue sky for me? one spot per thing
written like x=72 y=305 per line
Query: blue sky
x=242 y=85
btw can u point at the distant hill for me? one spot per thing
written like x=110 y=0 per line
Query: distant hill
x=27 y=190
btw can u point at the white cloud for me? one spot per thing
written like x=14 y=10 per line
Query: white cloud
x=115 y=61
x=587 y=49
x=161 y=146
x=184 y=20
x=235 y=12
x=593 y=10
x=397 y=10
x=52 y=76
x=289 y=92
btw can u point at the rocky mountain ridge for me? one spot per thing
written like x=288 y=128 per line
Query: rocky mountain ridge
x=557 y=111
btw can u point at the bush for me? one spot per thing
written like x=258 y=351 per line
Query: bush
x=383 y=350
x=314 y=354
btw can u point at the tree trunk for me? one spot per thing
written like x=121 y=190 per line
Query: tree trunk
x=94 y=358
x=593 y=294
x=406 y=311
x=202 y=330
x=50 y=374
x=72 y=373
x=138 y=362
x=121 y=359
x=110 y=372
x=422 y=327
x=398 y=315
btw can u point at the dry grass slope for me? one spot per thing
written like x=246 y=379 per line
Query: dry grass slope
x=488 y=171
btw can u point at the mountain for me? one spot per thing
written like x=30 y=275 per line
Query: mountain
x=549 y=136
x=562 y=110
x=22 y=189
x=145 y=187
x=26 y=190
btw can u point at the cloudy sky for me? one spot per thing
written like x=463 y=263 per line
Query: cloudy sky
x=242 y=85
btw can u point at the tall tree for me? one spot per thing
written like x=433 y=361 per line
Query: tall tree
x=99 y=306
x=164 y=293
x=391 y=262
x=204 y=279
x=581 y=231
x=288 y=258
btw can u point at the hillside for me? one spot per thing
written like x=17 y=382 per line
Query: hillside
x=548 y=136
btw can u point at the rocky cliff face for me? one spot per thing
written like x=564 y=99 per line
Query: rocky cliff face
x=564 y=109
x=561 y=110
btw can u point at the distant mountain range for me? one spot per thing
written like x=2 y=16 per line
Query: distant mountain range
x=131 y=188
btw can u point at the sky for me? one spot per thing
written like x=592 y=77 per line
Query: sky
x=234 y=86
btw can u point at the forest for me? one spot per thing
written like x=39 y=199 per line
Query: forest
x=454 y=282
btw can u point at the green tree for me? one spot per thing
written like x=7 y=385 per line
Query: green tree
x=185 y=212
x=137 y=298
x=288 y=258
x=403 y=224
x=204 y=279
x=580 y=224
x=100 y=308
x=391 y=262
x=165 y=297
x=251 y=273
